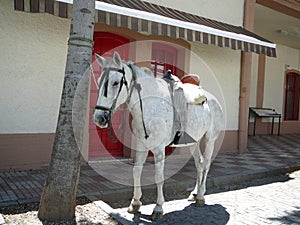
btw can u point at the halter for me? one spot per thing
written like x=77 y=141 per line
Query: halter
x=135 y=85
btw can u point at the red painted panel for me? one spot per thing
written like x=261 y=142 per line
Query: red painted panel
x=164 y=57
x=100 y=144
x=292 y=96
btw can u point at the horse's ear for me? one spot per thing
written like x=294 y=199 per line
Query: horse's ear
x=100 y=60
x=117 y=59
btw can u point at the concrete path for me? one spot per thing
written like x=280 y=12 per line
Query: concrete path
x=276 y=203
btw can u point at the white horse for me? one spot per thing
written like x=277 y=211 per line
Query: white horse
x=150 y=103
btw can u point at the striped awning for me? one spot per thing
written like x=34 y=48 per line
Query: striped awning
x=154 y=19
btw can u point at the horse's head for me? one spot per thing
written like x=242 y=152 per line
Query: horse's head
x=113 y=88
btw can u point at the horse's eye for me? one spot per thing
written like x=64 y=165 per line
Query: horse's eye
x=116 y=83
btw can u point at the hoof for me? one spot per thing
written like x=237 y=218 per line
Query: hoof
x=192 y=197
x=156 y=215
x=133 y=209
x=200 y=202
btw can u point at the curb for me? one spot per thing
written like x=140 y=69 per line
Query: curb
x=171 y=186
x=19 y=202
x=212 y=182
x=237 y=178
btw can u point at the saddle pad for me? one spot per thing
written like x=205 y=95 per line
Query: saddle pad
x=194 y=94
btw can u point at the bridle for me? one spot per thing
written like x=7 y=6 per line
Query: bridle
x=123 y=81
x=133 y=84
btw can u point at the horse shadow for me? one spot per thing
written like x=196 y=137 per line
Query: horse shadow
x=289 y=218
x=192 y=215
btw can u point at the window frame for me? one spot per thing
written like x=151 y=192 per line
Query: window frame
x=167 y=49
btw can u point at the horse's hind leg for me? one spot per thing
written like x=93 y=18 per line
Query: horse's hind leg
x=137 y=172
x=209 y=149
x=203 y=166
x=159 y=157
x=198 y=158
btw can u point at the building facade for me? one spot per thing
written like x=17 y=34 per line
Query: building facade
x=34 y=36
x=275 y=81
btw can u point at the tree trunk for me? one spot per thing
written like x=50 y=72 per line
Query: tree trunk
x=58 y=200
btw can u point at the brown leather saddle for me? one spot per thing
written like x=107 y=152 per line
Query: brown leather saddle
x=191 y=79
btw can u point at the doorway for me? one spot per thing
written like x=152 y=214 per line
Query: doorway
x=100 y=143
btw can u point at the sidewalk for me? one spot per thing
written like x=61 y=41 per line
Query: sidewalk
x=268 y=155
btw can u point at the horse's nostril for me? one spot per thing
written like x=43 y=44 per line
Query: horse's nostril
x=103 y=119
x=105 y=115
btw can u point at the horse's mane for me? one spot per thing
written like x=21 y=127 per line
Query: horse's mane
x=142 y=71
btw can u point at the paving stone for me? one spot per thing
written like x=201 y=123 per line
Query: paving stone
x=267 y=155
x=7 y=203
x=28 y=200
x=272 y=203
x=2 y=222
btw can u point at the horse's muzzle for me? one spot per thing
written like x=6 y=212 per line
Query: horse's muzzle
x=101 y=118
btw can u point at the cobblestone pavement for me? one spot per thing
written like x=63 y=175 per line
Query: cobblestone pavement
x=274 y=203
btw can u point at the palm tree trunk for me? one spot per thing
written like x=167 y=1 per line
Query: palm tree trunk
x=58 y=200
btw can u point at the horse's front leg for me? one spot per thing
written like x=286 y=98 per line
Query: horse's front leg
x=159 y=157
x=137 y=172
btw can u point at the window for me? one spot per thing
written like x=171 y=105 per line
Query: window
x=292 y=91
x=164 y=57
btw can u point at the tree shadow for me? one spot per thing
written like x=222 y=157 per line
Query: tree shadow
x=191 y=215
x=292 y=217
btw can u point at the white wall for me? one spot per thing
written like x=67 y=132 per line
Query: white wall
x=31 y=83
x=227 y=11
x=219 y=74
x=275 y=71
x=32 y=61
x=274 y=76
x=223 y=63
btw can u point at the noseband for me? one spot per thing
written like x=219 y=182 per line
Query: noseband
x=123 y=81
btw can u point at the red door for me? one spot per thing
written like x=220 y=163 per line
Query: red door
x=292 y=96
x=100 y=143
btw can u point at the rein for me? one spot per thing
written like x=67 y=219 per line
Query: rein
x=123 y=81
x=138 y=87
